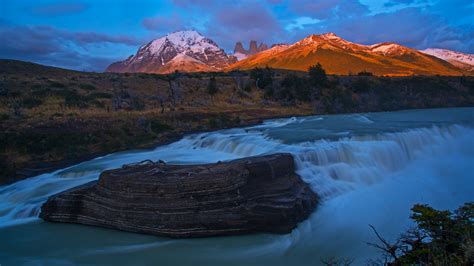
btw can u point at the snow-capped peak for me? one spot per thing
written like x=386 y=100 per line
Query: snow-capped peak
x=177 y=46
x=449 y=55
x=389 y=48
x=183 y=40
x=330 y=36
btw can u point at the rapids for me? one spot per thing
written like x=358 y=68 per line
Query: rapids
x=368 y=168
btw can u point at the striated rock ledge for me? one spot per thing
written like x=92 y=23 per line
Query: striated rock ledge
x=255 y=194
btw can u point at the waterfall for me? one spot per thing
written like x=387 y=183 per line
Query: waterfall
x=368 y=169
x=330 y=167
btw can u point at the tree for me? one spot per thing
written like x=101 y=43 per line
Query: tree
x=439 y=238
x=317 y=76
x=262 y=77
x=212 y=87
x=294 y=87
x=365 y=73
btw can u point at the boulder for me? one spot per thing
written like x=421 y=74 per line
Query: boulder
x=254 y=194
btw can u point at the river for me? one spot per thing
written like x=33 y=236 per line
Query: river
x=368 y=168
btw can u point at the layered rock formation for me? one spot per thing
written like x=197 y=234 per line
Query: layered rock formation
x=255 y=194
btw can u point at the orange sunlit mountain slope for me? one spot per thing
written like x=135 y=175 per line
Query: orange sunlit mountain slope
x=339 y=56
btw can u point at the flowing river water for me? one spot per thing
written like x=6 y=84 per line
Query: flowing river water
x=368 y=168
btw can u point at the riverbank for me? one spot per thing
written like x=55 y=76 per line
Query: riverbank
x=51 y=118
x=369 y=168
x=151 y=130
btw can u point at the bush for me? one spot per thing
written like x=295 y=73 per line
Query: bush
x=262 y=77
x=55 y=84
x=87 y=87
x=100 y=95
x=439 y=238
x=317 y=76
x=365 y=73
x=31 y=102
x=248 y=87
x=4 y=116
x=294 y=87
x=211 y=86
x=158 y=127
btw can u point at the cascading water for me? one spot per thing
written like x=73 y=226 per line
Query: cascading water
x=368 y=168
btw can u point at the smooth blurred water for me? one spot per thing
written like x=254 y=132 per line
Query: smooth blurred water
x=368 y=168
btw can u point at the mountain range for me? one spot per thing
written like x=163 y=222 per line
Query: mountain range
x=189 y=51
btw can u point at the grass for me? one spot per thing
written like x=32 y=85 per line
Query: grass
x=49 y=115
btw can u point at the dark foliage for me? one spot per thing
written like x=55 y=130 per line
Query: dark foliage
x=440 y=237
x=211 y=86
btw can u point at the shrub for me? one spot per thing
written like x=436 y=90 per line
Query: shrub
x=211 y=86
x=55 y=84
x=439 y=238
x=317 y=75
x=4 y=116
x=157 y=127
x=87 y=87
x=365 y=73
x=31 y=102
x=100 y=95
x=262 y=77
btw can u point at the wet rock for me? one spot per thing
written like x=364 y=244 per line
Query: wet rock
x=255 y=194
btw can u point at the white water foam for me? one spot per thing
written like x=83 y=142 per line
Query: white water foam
x=331 y=168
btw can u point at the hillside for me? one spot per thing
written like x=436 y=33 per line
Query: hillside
x=342 y=57
x=51 y=117
x=461 y=60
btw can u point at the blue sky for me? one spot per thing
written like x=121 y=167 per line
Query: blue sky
x=89 y=35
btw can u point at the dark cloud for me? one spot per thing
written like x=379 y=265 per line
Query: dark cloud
x=409 y=26
x=328 y=9
x=233 y=23
x=94 y=38
x=53 y=46
x=58 y=9
x=164 y=23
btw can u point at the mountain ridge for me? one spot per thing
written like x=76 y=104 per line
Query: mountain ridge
x=461 y=60
x=186 y=51
x=190 y=51
x=342 y=57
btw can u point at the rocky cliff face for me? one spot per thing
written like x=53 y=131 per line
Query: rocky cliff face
x=186 y=51
x=241 y=53
x=239 y=48
x=253 y=47
x=256 y=194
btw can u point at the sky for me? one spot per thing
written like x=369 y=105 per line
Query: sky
x=89 y=35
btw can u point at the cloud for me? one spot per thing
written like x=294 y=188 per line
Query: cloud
x=328 y=9
x=315 y=9
x=409 y=26
x=53 y=46
x=241 y=22
x=195 y=3
x=301 y=23
x=171 y=22
x=59 y=9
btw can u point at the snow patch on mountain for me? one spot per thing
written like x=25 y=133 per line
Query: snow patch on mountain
x=158 y=53
x=459 y=59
